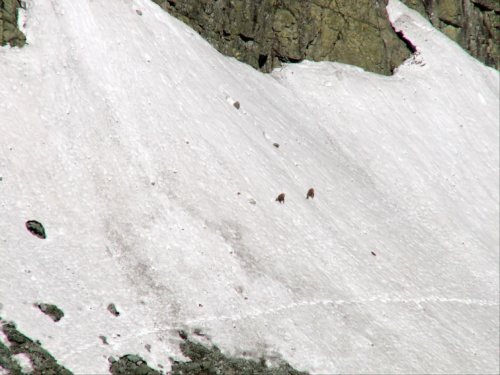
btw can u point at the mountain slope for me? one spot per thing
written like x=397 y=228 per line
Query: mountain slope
x=120 y=135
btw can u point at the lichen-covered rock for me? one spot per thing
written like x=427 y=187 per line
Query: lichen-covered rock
x=267 y=32
x=9 y=32
x=475 y=24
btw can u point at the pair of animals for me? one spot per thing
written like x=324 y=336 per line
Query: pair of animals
x=281 y=197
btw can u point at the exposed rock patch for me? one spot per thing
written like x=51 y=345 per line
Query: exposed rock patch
x=55 y=313
x=112 y=309
x=36 y=228
x=41 y=360
x=205 y=360
x=9 y=32
x=131 y=364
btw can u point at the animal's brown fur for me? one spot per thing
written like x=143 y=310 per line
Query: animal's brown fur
x=310 y=194
x=281 y=198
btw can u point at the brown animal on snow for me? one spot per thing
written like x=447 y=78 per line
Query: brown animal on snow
x=310 y=194
x=281 y=198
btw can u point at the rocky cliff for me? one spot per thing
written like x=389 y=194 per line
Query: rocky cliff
x=9 y=32
x=264 y=33
x=474 y=24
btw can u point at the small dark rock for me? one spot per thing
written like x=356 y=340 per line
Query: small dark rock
x=55 y=313
x=36 y=228
x=112 y=309
x=236 y=105
x=104 y=340
x=276 y=145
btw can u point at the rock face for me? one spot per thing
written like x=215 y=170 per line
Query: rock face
x=264 y=33
x=475 y=24
x=9 y=33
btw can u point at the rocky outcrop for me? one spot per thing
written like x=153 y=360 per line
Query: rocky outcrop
x=41 y=361
x=210 y=360
x=264 y=33
x=475 y=24
x=9 y=32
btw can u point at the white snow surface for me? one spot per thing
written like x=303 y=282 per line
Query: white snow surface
x=119 y=134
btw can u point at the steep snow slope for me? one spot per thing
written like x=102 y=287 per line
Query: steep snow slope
x=118 y=133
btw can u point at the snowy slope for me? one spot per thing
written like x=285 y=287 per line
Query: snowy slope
x=118 y=133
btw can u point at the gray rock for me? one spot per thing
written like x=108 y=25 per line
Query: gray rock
x=36 y=228
x=55 y=313
x=112 y=309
